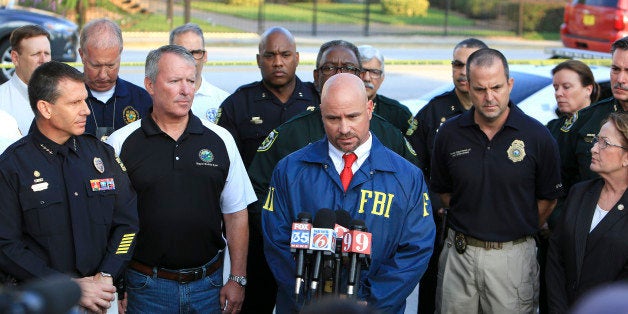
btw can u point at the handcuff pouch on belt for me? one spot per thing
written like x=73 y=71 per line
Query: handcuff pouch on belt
x=460 y=242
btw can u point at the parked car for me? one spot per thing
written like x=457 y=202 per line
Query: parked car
x=533 y=91
x=594 y=24
x=63 y=34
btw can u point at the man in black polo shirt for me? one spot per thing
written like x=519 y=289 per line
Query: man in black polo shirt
x=421 y=136
x=190 y=180
x=498 y=170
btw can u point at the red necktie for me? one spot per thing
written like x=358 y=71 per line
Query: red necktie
x=347 y=173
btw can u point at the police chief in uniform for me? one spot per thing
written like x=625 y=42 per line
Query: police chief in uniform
x=113 y=101
x=498 y=170
x=190 y=182
x=384 y=190
x=67 y=204
x=580 y=138
x=255 y=109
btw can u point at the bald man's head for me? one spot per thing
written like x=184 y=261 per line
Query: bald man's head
x=346 y=111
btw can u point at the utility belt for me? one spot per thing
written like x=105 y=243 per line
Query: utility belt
x=181 y=276
x=461 y=241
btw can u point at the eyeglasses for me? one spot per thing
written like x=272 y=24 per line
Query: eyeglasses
x=331 y=70
x=603 y=143
x=457 y=64
x=198 y=54
x=375 y=73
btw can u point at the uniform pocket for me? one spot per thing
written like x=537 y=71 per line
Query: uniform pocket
x=43 y=211
x=101 y=204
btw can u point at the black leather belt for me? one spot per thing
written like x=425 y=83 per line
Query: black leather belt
x=181 y=275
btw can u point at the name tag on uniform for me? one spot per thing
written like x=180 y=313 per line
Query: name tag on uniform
x=102 y=184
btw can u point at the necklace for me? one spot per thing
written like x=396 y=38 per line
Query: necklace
x=104 y=132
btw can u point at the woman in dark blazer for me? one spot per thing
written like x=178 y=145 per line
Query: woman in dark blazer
x=589 y=247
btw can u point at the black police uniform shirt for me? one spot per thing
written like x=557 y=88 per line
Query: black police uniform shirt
x=393 y=111
x=65 y=208
x=580 y=140
x=129 y=103
x=252 y=112
x=183 y=189
x=426 y=122
x=495 y=184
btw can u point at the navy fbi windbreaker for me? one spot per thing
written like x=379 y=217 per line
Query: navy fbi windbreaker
x=387 y=192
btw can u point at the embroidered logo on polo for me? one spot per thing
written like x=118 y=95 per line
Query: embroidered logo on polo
x=106 y=184
x=129 y=114
x=206 y=155
x=268 y=141
x=460 y=153
x=516 y=152
x=569 y=123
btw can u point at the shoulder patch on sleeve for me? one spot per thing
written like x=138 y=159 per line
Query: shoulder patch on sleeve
x=268 y=141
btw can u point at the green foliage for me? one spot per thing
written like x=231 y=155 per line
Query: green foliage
x=538 y=17
x=350 y=13
x=480 y=9
x=405 y=7
x=246 y=3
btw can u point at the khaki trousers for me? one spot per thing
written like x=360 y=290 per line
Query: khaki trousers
x=483 y=280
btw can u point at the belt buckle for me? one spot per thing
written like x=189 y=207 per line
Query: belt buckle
x=187 y=276
x=460 y=242
x=493 y=245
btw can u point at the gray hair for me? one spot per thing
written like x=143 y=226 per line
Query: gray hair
x=152 y=60
x=189 y=27
x=101 y=34
x=337 y=43
x=368 y=52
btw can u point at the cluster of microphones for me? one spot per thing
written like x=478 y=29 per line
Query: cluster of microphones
x=329 y=252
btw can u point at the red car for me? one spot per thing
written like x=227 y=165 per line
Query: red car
x=594 y=24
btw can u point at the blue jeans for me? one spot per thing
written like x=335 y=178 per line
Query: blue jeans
x=150 y=294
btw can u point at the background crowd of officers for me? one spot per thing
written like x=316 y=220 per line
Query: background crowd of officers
x=495 y=174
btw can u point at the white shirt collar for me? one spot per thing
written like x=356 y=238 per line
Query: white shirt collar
x=363 y=151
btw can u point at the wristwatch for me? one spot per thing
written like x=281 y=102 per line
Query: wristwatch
x=241 y=280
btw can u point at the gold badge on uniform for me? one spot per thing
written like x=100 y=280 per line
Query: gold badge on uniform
x=256 y=120
x=129 y=114
x=516 y=151
x=99 y=165
x=310 y=108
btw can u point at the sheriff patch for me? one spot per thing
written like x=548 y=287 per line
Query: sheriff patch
x=129 y=114
x=268 y=141
x=106 y=184
x=516 y=152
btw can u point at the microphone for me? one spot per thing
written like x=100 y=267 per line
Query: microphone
x=357 y=243
x=323 y=242
x=55 y=295
x=299 y=244
x=342 y=219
